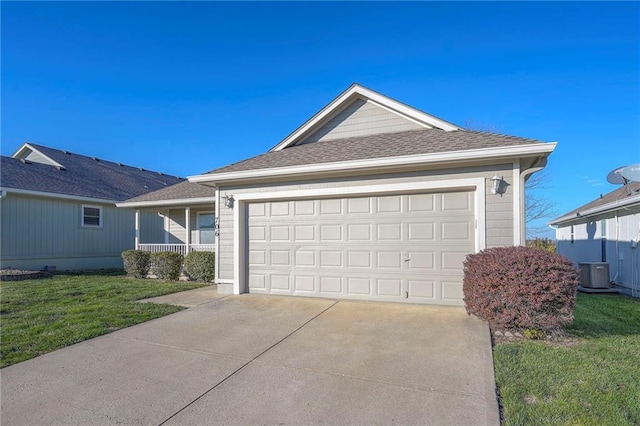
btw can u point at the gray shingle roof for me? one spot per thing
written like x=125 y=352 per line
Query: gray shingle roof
x=631 y=190
x=412 y=142
x=83 y=176
x=178 y=191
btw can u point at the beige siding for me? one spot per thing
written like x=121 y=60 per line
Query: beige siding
x=46 y=231
x=177 y=224
x=360 y=119
x=499 y=208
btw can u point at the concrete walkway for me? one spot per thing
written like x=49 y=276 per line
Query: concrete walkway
x=189 y=298
x=253 y=359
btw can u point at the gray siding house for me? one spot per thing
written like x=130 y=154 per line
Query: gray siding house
x=57 y=209
x=369 y=199
x=607 y=230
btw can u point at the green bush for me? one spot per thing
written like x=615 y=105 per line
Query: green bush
x=520 y=288
x=136 y=263
x=166 y=265
x=200 y=265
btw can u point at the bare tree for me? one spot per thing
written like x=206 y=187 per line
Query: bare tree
x=537 y=206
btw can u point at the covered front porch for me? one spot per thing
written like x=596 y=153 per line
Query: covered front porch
x=188 y=213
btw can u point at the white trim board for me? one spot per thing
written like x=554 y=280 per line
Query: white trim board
x=59 y=196
x=379 y=163
x=191 y=202
x=27 y=145
x=241 y=200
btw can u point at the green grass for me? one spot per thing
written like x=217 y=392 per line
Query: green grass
x=590 y=378
x=39 y=316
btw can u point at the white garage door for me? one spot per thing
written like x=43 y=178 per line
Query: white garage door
x=390 y=248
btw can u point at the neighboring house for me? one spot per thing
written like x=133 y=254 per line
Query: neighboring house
x=606 y=230
x=57 y=209
x=182 y=206
x=369 y=199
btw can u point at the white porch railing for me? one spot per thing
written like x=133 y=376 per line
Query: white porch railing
x=177 y=248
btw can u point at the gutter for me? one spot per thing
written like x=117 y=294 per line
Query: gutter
x=165 y=203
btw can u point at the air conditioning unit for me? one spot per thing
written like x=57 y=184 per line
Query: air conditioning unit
x=594 y=275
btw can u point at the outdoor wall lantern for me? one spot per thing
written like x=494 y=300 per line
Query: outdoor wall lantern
x=496 y=184
x=228 y=201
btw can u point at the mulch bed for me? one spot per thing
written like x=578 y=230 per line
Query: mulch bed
x=9 y=274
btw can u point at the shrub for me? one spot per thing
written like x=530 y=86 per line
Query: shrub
x=166 y=265
x=200 y=265
x=543 y=244
x=520 y=287
x=136 y=263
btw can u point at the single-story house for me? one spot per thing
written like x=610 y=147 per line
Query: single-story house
x=607 y=230
x=57 y=209
x=369 y=199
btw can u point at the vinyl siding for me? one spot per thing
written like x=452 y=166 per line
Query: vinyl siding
x=362 y=118
x=619 y=233
x=499 y=208
x=177 y=224
x=47 y=231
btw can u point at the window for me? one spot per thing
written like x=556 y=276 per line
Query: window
x=92 y=216
x=206 y=228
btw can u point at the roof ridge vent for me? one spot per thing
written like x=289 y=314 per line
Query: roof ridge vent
x=25 y=161
x=95 y=158
x=61 y=168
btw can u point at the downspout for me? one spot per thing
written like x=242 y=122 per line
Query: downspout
x=537 y=165
x=3 y=194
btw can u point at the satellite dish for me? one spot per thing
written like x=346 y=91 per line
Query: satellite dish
x=615 y=176
x=631 y=173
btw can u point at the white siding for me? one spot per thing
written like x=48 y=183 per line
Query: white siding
x=362 y=118
x=620 y=233
x=40 y=231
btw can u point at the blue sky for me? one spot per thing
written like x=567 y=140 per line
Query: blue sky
x=185 y=87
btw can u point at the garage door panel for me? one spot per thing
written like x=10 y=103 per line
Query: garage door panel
x=424 y=231
x=389 y=287
x=393 y=248
x=359 y=286
x=359 y=205
x=389 y=260
x=305 y=284
x=456 y=231
x=421 y=289
x=304 y=233
x=331 y=285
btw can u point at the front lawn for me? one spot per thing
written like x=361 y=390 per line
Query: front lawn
x=591 y=377
x=39 y=316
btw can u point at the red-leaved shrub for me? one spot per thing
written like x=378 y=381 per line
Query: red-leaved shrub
x=520 y=288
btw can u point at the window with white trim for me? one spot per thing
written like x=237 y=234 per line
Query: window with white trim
x=206 y=228
x=91 y=216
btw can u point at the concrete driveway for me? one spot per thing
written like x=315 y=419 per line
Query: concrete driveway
x=253 y=359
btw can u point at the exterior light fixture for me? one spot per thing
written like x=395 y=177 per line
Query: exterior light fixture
x=496 y=184
x=228 y=201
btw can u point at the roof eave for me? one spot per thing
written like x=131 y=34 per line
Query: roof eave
x=594 y=211
x=538 y=149
x=167 y=203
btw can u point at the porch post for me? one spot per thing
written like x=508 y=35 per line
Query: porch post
x=187 y=225
x=137 y=243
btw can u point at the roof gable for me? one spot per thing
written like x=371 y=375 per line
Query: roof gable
x=30 y=152
x=359 y=111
